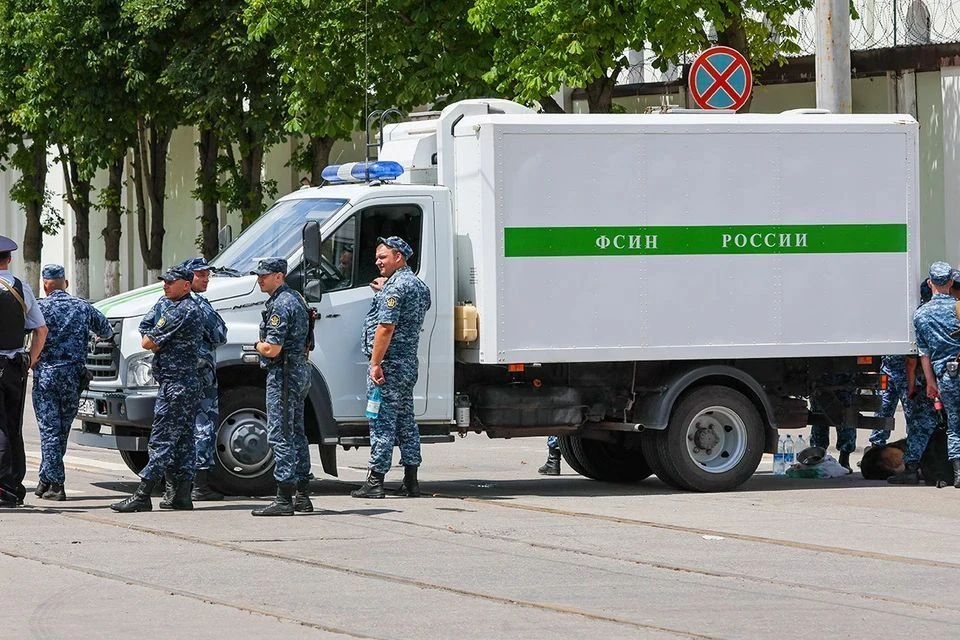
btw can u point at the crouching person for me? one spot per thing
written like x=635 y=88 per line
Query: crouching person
x=174 y=338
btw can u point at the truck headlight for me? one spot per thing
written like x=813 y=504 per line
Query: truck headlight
x=140 y=371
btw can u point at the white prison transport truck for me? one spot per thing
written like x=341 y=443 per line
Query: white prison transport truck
x=663 y=291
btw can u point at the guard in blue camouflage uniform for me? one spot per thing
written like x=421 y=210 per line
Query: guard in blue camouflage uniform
x=57 y=376
x=19 y=314
x=174 y=338
x=552 y=466
x=938 y=341
x=895 y=368
x=918 y=411
x=391 y=335
x=901 y=384
x=208 y=410
x=846 y=436
x=283 y=348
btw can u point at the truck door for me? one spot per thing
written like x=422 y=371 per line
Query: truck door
x=348 y=254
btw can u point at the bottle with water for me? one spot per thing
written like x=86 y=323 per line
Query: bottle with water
x=373 y=402
x=801 y=444
x=779 y=468
x=789 y=453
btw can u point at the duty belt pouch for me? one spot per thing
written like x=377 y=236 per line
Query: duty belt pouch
x=953 y=368
x=85 y=378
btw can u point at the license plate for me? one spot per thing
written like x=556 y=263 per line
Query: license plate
x=85 y=408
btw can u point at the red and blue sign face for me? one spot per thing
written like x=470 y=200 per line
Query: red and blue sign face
x=720 y=78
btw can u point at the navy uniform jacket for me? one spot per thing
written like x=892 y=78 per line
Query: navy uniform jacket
x=177 y=331
x=403 y=302
x=70 y=320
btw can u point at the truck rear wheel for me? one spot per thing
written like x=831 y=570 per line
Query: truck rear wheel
x=244 y=459
x=570 y=456
x=714 y=440
x=652 y=453
x=135 y=460
x=608 y=461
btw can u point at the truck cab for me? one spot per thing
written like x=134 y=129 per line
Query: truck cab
x=117 y=411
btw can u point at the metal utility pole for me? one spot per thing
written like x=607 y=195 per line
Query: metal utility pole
x=833 y=56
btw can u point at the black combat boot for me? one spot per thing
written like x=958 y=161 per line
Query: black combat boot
x=956 y=473
x=41 y=488
x=301 y=501
x=177 y=495
x=282 y=505
x=55 y=492
x=202 y=491
x=410 y=487
x=907 y=476
x=845 y=460
x=552 y=466
x=139 y=501
x=372 y=487
x=169 y=490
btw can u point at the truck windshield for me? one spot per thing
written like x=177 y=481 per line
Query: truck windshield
x=276 y=233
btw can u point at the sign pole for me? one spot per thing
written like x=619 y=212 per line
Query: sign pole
x=833 y=56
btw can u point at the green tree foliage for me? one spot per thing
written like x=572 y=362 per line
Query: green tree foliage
x=344 y=59
x=543 y=44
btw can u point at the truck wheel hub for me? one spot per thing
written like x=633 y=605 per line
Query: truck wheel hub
x=717 y=439
x=242 y=443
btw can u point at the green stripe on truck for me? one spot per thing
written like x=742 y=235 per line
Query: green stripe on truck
x=533 y=242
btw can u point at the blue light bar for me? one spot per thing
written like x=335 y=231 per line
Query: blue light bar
x=362 y=171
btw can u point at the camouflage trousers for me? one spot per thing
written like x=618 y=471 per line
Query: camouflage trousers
x=208 y=418
x=894 y=394
x=56 y=394
x=921 y=423
x=950 y=396
x=553 y=442
x=846 y=438
x=285 y=431
x=171 y=447
x=395 y=424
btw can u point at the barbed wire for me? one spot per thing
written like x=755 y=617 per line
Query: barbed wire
x=890 y=23
x=880 y=24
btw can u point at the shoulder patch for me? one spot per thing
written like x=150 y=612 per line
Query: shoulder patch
x=275 y=320
x=162 y=321
x=391 y=302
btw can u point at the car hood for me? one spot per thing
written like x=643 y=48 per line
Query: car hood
x=138 y=301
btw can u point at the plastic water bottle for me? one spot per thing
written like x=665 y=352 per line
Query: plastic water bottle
x=801 y=444
x=373 y=403
x=789 y=454
x=779 y=468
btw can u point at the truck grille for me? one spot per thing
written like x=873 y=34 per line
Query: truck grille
x=103 y=356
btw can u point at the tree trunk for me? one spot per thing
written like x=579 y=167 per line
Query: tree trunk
x=549 y=105
x=320 y=148
x=734 y=35
x=600 y=93
x=30 y=192
x=150 y=183
x=251 y=166
x=208 y=191
x=114 y=228
x=78 y=197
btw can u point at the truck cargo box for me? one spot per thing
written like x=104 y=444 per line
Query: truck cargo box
x=686 y=236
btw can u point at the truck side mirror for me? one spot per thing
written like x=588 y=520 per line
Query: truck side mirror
x=224 y=237
x=312 y=285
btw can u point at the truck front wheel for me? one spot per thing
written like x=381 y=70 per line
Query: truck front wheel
x=244 y=459
x=714 y=440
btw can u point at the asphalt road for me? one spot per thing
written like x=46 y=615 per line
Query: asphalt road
x=495 y=551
